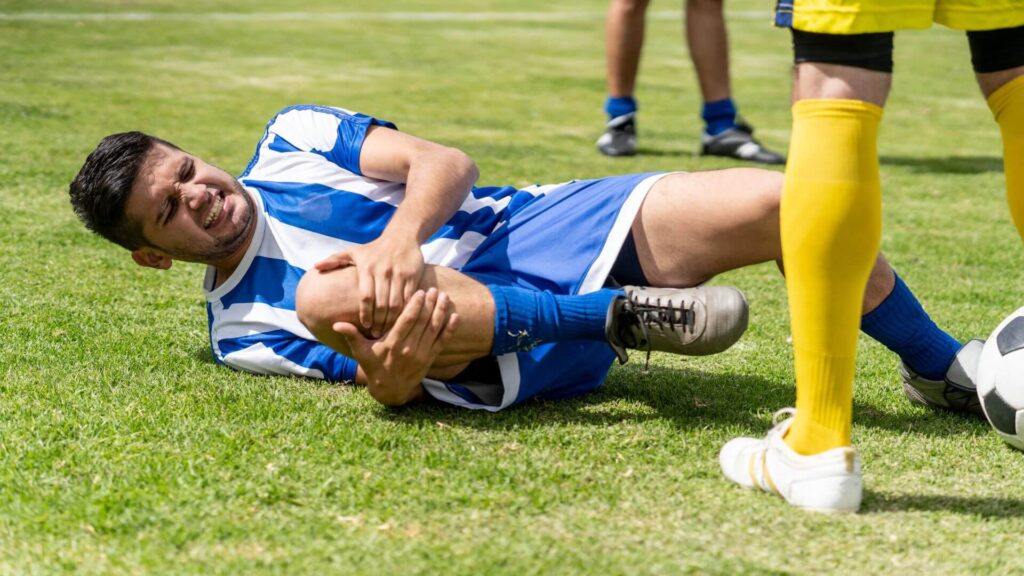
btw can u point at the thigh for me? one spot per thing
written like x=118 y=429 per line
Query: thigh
x=694 y=226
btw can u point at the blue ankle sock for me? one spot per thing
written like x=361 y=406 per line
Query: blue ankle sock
x=615 y=107
x=526 y=318
x=902 y=325
x=718 y=116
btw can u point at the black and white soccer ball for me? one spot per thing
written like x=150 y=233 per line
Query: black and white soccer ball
x=1000 y=379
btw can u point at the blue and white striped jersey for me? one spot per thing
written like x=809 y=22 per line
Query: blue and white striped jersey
x=312 y=201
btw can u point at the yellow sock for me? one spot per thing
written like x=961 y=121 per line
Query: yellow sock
x=1007 y=104
x=831 y=220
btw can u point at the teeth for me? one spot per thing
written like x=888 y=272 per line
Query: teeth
x=218 y=203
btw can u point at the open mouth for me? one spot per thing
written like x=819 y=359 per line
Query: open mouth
x=215 y=210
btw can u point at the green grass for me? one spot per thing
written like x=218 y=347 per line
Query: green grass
x=124 y=449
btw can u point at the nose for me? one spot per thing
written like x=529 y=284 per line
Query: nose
x=194 y=195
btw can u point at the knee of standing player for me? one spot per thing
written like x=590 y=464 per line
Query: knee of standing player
x=323 y=298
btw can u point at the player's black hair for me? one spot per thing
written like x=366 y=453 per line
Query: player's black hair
x=101 y=189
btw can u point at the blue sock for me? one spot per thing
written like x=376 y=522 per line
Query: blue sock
x=526 y=318
x=718 y=116
x=902 y=325
x=615 y=107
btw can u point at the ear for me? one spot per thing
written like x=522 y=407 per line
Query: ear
x=151 y=258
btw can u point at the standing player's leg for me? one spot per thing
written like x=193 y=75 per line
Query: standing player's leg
x=724 y=134
x=998 y=59
x=624 y=39
x=831 y=230
x=831 y=224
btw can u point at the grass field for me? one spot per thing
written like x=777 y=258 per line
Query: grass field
x=124 y=449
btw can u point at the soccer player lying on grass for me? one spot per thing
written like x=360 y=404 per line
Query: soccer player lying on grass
x=345 y=238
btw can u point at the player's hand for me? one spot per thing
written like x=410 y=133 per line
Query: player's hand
x=396 y=364
x=389 y=270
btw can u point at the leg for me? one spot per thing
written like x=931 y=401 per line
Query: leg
x=831 y=224
x=624 y=39
x=708 y=41
x=320 y=302
x=493 y=319
x=732 y=220
x=694 y=226
x=998 y=59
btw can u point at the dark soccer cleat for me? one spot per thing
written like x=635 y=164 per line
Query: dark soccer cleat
x=619 y=138
x=693 y=321
x=738 y=142
x=956 y=392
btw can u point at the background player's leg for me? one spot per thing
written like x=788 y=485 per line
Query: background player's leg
x=624 y=39
x=708 y=41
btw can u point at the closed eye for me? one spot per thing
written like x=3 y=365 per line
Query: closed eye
x=172 y=206
x=186 y=170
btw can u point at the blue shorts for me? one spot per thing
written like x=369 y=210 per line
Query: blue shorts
x=565 y=241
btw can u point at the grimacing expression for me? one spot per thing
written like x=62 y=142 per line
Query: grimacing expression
x=190 y=210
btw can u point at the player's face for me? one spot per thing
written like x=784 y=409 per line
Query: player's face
x=190 y=210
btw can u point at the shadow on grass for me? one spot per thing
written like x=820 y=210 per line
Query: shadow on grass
x=204 y=354
x=687 y=398
x=946 y=165
x=985 y=507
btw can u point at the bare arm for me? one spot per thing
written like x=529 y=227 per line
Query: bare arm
x=437 y=180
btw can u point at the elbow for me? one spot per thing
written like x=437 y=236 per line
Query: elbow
x=464 y=165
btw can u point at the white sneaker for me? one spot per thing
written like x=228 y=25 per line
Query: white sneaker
x=825 y=482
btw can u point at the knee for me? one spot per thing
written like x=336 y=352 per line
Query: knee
x=323 y=298
x=766 y=193
x=770 y=195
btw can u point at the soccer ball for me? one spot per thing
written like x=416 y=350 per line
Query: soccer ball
x=1001 y=379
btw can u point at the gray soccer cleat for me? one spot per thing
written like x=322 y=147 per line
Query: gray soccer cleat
x=619 y=138
x=738 y=142
x=693 y=321
x=957 y=392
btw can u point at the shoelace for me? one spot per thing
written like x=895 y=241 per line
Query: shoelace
x=661 y=315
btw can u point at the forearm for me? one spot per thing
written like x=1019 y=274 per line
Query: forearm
x=438 y=181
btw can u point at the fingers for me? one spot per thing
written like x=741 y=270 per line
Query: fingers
x=366 y=300
x=334 y=261
x=396 y=301
x=381 y=304
x=407 y=320
x=438 y=317
x=446 y=335
x=357 y=343
x=430 y=299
